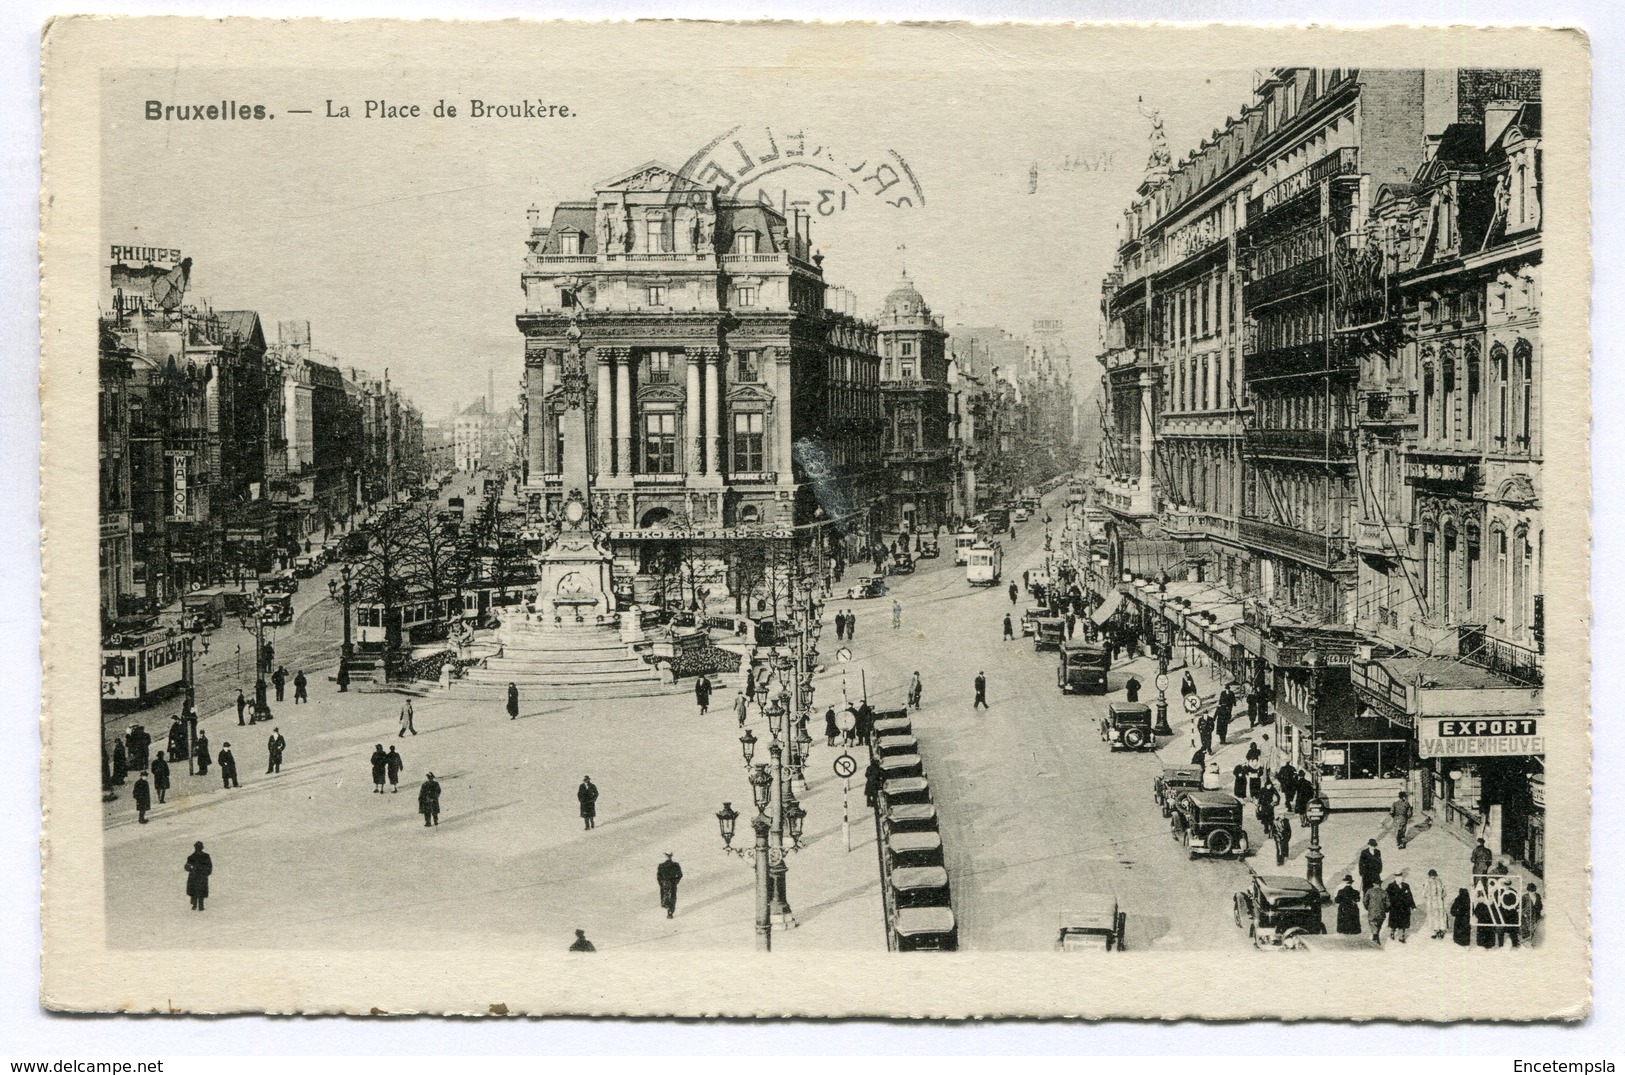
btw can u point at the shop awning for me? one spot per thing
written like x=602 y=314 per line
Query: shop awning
x=1109 y=604
x=1338 y=717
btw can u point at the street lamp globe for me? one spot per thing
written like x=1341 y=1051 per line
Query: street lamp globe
x=776 y=710
x=761 y=784
x=332 y=587
x=804 y=740
x=727 y=817
x=797 y=818
x=747 y=745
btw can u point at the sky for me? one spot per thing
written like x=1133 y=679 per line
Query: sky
x=401 y=240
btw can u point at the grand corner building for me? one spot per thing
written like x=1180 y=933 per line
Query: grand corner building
x=722 y=399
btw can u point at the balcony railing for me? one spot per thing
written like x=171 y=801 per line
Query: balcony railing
x=1316 y=356
x=1293 y=280
x=1318 y=550
x=1388 y=408
x=1377 y=537
x=1518 y=663
x=1345 y=161
x=1333 y=444
x=1200 y=524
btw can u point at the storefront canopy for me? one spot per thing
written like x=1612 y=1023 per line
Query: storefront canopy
x=1109 y=604
x=1338 y=717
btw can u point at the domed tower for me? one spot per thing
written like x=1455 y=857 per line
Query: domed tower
x=914 y=384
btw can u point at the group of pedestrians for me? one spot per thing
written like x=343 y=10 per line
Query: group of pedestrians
x=846 y=622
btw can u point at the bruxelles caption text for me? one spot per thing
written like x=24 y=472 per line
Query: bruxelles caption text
x=383 y=108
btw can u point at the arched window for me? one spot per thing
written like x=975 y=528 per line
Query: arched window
x=1448 y=427
x=1471 y=581
x=1447 y=579
x=1501 y=387
x=1502 y=581
x=1427 y=394
x=1523 y=385
x=1470 y=410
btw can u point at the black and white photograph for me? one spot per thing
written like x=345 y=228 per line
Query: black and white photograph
x=1064 y=532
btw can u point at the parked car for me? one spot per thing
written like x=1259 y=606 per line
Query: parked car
x=1030 y=618
x=1172 y=782
x=1127 y=726
x=1208 y=823
x=305 y=565
x=925 y=929
x=911 y=817
x=1275 y=909
x=905 y=849
x=867 y=586
x=1083 y=667
x=1094 y=924
x=1049 y=632
x=902 y=564
x=929 y=550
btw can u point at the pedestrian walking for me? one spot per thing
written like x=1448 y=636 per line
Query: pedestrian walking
x=301 y=686
x=228 y=767
x=1221 y=724
x=1376 y=909
x=198 y=868
x=279 y=680
x=1238 y=784
x=1266 y=808
x=1370 y=865
x=380 y=764
x=140 y=746
x=1531 y=909
x=1009 y=628
x=406 y=719
x=702 y=694
x=393 y=764
x=201 y=753
x=1071 y=624
x=1461 y=918
x=667 y=874
x=1348 y=907
x=1187 y=685
x=872 y=779
x=832 y=730
x=896 y=615
x=1301 y=794
x=142 y=794
x=1204 y=729
x=587 y=796
x=1283 y=840
x=1400 y=812
x=1132 y=688
x=242 y=704
x=1401 y=903
x=851 y=625
x=1014 y=593
x=343 y=678
x=160 y=777
x=581 y=943
x=981 y=691
x=274 y=746
x=1433 y=905
x=1482 y=859
x=513 y=702
x=741 y=707
x=429 y=800
x=121 y=762
x=915 y=690
x=177 y=739
x=1257 y=779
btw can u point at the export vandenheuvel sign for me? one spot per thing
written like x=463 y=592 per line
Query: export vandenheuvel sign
x=1445 y=737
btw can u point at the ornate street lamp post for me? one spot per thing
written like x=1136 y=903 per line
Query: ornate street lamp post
x=1315 y=859
x=763 y=855
x=346 y=651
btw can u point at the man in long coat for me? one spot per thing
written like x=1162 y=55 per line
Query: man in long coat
x=142 y=794
x=667 y=874
x=1401 y=814
x=177 y=739
x=202 y=753
x=140 y=744
x=242 y=704
x=1348 y=907
x=1376 y=909
x=702 y=694
x=198 y=868
x=228 y=767
x=160 y=777
x=1483 y=858
x=513 y=702
x=393 y=763
x=981 y=690
x=587 y=796
x=429 y=801
x=380 y=762
x=300 y=686
x=274 y=746
x=871 y=783
x=1283 y=839
x=1370 y=865
x=1400 y=905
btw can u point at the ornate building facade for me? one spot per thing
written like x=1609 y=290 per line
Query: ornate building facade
x=920 y=471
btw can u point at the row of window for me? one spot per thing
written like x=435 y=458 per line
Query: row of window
x=1451 y=402
x=655 y=366
x=1197 y=310
x=659 y=295
x=746 y=447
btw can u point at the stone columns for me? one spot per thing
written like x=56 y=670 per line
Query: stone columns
x=536 y=434
x=541 y=416
x=712 y=463
x=693 y=428
x=605 y=461
x=782 y=462
x=623 y=412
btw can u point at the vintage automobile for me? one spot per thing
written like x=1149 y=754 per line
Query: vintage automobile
x=929 y=549
x=1274 y=909
x=1030 y=618
x=1094 y=925
x=1049 y=631
x=306 y=564
x=203 y=610
x=277 y=609
x=1208 y=823
x=1083 y=667
x=902 y=564
x=866 y=586
x=918 y=886
x=925 y=929
x=894 y=743
x=1127 y=726
x=892 y=724
x=896 y=766
x=905 y=789
x=1172 y=782
x=904 y=849
x=284 y=581
x=911 y=817
x=1021 y=514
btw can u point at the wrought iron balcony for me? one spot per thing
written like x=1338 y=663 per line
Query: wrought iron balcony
x=1324 y=551
x=1336 y=445
x=1518 y=663
x=1341 y=162
x=1394 y=407
x=1316 y=356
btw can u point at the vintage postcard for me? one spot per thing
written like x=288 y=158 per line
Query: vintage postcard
x=937 y=520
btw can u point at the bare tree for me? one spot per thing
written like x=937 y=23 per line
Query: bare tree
x=436 y=560
x=748 y=560
x=383 y=573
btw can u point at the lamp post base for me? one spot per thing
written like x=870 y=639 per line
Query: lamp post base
x=1163 y=727
x=1315 y=864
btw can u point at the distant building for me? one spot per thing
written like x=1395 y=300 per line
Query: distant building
x=919 y=465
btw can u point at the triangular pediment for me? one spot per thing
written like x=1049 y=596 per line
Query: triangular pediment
x=660 y=393
x=651 y=175
x=753 y=393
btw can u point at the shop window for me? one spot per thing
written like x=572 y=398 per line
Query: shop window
x=1365 y=760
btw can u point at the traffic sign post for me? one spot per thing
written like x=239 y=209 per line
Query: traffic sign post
x=845 y=765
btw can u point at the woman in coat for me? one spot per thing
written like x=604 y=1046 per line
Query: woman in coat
x=380 y=767
x=1433 y=904
x=1485 y=920
x=198 y=868
x=1348 y=906
x=201 y=749
x=1187 y=685
x=832 y=731
x=1376 y=909
x=1461 y=919
x=160 y=777
x=121 y=762
x=513 y=701
x=1400 y=905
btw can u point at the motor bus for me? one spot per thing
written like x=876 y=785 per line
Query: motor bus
x=137 y=669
